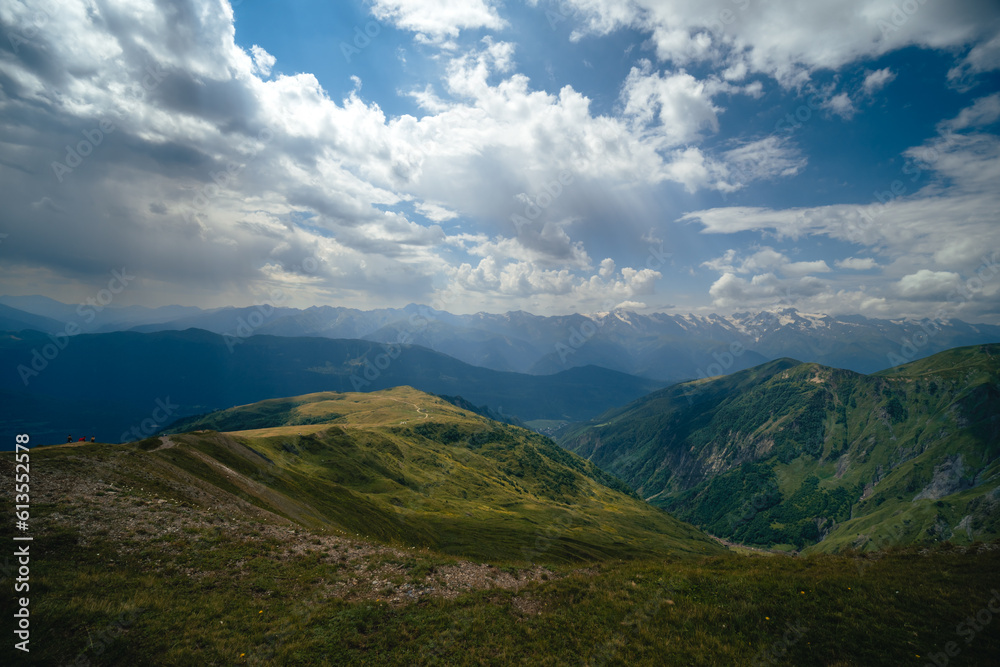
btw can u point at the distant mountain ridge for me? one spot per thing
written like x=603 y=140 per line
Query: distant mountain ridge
x=810 y=456
x=115 y=384
x=660 y=346
x=12 y=319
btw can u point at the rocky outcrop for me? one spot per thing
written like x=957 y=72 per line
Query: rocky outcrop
x=948 y=478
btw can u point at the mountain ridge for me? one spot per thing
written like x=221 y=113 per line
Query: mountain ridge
x=402 y=466
x=811 y=456
x=662 y=346
x=107 y=384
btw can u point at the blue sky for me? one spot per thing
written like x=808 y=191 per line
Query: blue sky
x=578 y=155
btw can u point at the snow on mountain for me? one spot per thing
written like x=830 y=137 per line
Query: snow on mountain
x=662 y=346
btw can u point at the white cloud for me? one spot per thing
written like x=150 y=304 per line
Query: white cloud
x=805 y=268
x=435 y=212
x=766 y=260
x=877 y=80
x=325 y=171
x=331 y=178
x=841 y=105
x=691 y=168
x=262 y=60
x=491 y=284
x=984 y=57
x=789 y=39
x=856 y=263
x=731 y=292
x=933 y=238
x=724 y=264
x=630 y=305
x=436 y=20
x=926 y=285
x=736 y=168
x=677 y=106
x=985 y=111
x=547 y=245
x=763 y=159
x=486 y=141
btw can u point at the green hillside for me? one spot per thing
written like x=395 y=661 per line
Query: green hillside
x=807 y=456
x=404 y=467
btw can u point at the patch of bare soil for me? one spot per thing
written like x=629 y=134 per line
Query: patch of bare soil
x=167 y=443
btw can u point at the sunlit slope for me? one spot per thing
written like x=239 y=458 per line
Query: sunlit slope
x=802 y=454
x=407 y=467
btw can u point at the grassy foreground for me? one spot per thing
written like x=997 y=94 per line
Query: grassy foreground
x=224 y=596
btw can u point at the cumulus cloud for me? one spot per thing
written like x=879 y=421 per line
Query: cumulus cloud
x=933 y=238
x=840 y=105
x=435 y=212
x=499 y=285
x=674 y=111
x=877 y=80
x=678 y=106
x=766 y=277
x=436 y=20
x=927 y=285
x=789 y=40
x=630 y=305
x=262 y=61
x=731 y=292
x=766 y=259
x=857 y=263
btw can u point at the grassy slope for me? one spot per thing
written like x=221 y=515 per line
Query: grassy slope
x=405 y=467
x=237 y=593
x=788 y=453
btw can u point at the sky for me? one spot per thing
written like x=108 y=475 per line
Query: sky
x=494 y=155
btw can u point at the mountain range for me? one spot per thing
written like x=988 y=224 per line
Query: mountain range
x=127 y=385
x=801 y=455
x=659 y=346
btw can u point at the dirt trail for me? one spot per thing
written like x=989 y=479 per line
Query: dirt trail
x=420 y=410
x=167 y=443
x=736 y=545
